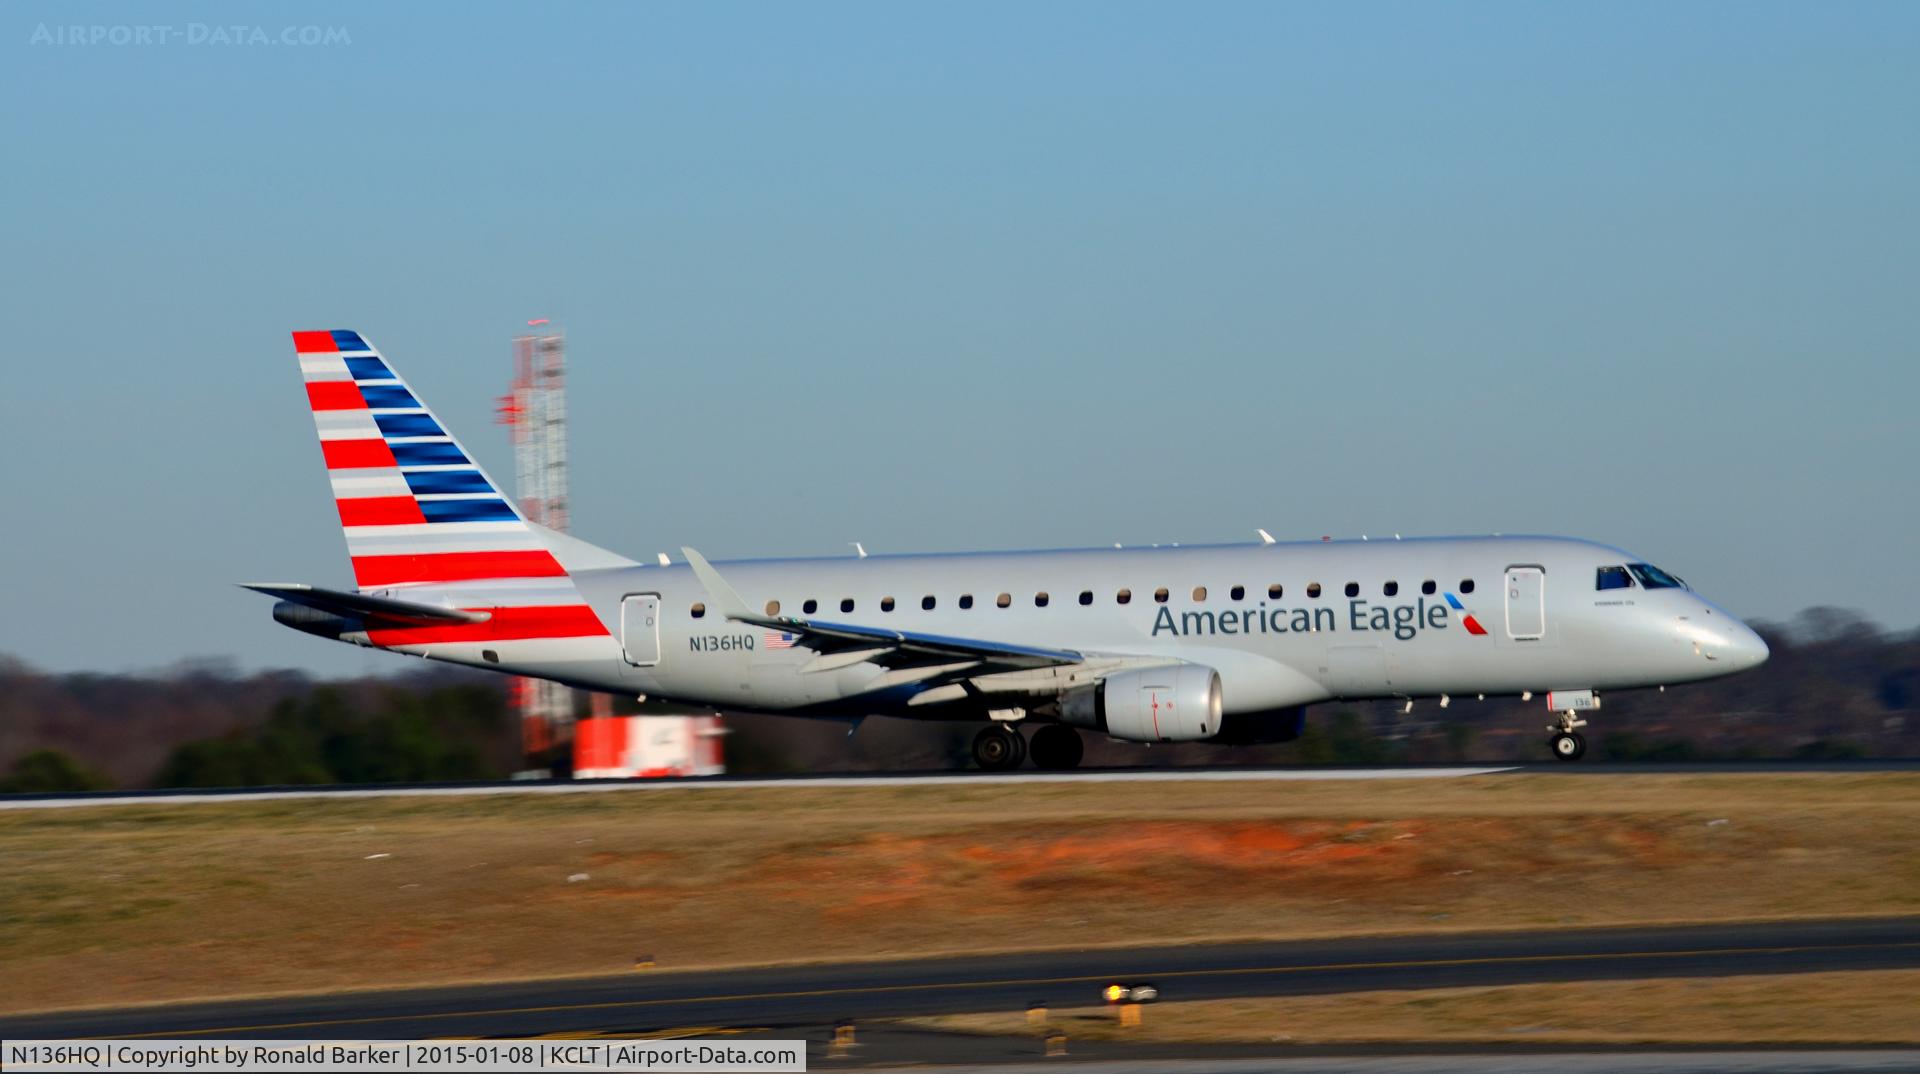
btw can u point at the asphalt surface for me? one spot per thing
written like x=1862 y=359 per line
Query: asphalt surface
x=1724 y=1062
x=1235 y=773
x=891 y=1046
x=798 y=996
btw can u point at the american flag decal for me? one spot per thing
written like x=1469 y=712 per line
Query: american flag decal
x=780 y=639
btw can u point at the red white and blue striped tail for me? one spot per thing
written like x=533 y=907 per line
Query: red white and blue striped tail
x=416 y=508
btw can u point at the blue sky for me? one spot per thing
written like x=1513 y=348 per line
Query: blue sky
x=969 y=276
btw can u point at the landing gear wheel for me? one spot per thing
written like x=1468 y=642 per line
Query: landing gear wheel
x=1568 y=745
x=998 y=748
x=1057 y=747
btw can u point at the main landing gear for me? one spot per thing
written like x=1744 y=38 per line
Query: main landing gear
x=1000 y=747
x=1567 y=743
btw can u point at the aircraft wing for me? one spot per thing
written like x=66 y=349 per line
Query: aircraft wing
x=844 y=644
x=362 y=606
x=931 y=646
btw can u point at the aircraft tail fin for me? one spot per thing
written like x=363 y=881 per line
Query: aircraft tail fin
x=415 y=506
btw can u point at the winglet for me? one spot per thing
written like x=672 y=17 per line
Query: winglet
x=728 y=601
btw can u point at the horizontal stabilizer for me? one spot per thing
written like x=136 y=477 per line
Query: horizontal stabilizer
x=361 y=606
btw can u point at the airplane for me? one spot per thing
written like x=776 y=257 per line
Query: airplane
x=1224 y=643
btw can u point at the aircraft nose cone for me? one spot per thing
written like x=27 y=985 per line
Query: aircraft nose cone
x=1748 y=649
x=1726 y=642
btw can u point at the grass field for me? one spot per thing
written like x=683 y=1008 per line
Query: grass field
x=156 y=902
x=1874 y=1007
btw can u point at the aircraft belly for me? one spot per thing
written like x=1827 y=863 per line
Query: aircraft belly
x=1354 y=671
x=779 y=683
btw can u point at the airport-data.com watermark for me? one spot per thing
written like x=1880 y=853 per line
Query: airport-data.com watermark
x=194 y=34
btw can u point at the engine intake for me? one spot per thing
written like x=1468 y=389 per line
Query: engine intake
x=1171 y=703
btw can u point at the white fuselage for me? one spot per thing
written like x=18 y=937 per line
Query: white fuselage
x=1284 y=624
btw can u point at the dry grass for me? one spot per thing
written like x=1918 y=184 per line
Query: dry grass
x=1869 y=1007
x=155 y=902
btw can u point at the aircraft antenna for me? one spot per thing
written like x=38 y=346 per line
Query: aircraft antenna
x=535 y=411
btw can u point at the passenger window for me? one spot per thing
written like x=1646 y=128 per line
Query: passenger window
x=1313 y=590
x=1275 y=591
x=1086 y=596
x=810 y=606
x=1353 y=589
x=846 y=605
x=1391 y=589
x=773 y=607
x=1122 y=597
x=886 y=604
x=1160 y=595
x=1199 y=593
x=698 y=609
x=1004 y=600
x=1428 y=587
x=1466 y=585
x=1612 y=578
x=926 y=604
x=1040 y=599
x=1238 y=592
x=966 y=601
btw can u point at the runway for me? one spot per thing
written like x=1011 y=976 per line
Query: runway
x=814 y=995
x=933 y=779
x=1491 y=1061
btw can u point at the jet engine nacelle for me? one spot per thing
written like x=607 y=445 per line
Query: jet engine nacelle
x=1171 y=703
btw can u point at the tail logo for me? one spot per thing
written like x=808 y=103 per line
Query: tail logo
x=416 y=509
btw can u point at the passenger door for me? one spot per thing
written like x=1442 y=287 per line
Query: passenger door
x=1526 y=603
x=640 y=629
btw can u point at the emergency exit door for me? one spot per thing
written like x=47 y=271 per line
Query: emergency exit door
x=640 y=629
x=1526 y=603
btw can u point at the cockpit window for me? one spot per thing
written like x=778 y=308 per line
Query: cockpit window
x=1613 y=578
x=1653 y=577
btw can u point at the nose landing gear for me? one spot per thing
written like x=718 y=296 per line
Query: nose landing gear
x=1567 y=743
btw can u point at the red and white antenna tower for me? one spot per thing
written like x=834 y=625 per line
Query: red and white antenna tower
x=535 y=409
